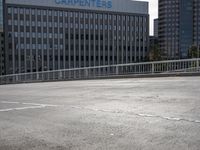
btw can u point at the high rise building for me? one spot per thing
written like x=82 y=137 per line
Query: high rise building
x=153 y=40
x=178 y=27
x=59 y=34
x=156 y=28
x=196 y=29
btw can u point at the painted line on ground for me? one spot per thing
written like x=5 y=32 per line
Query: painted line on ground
x=21 y=108
x=34 y=106
x=5 y=102
x=46 y=105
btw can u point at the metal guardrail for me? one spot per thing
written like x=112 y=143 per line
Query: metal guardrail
x=153 y=68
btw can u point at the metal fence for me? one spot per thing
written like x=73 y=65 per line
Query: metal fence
x=146 y=68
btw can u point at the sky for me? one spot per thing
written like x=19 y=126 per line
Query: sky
x=153 y=11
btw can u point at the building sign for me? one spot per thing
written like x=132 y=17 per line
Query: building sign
x=87 y=3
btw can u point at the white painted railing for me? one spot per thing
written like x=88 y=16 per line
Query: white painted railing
x=153 y=68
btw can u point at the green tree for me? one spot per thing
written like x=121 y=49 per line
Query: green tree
x=194 y=52
x=155 y=53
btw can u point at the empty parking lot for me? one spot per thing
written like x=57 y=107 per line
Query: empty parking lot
x=118 y=114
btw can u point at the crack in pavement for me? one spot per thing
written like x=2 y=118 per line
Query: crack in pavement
x=142 y=115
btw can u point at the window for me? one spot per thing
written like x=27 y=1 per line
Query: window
x=9 y=10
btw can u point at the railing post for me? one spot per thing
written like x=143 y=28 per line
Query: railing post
x=60 y=75
x=17 y=78
x=117 y=70
x=53 y=74
x=38 y=76
x=86 y=73
x=153 y=68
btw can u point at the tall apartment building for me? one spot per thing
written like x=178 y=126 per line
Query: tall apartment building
x=178 y=27
x=58 y=34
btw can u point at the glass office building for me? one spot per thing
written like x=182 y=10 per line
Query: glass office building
x=60 y=34
x=196 y=29
x=179 y=23
x=185 y=27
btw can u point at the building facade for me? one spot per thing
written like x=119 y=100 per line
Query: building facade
x=60 y=34
x=2 y=56
x=153 y=42
x=196 y=29
x=169 y=28
x=178 y=27
x=2 y=63
x=155 y=26
x=1 y=14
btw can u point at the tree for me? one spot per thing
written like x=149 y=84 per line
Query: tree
x=155 y=53
x=194 y=52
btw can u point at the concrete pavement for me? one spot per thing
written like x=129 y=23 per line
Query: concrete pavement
x=114 y=114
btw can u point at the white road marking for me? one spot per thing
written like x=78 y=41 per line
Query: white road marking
x=20 y=108
x=34 y=106
x=5 y=102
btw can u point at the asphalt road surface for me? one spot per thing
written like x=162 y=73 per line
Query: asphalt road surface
x=118 y=114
